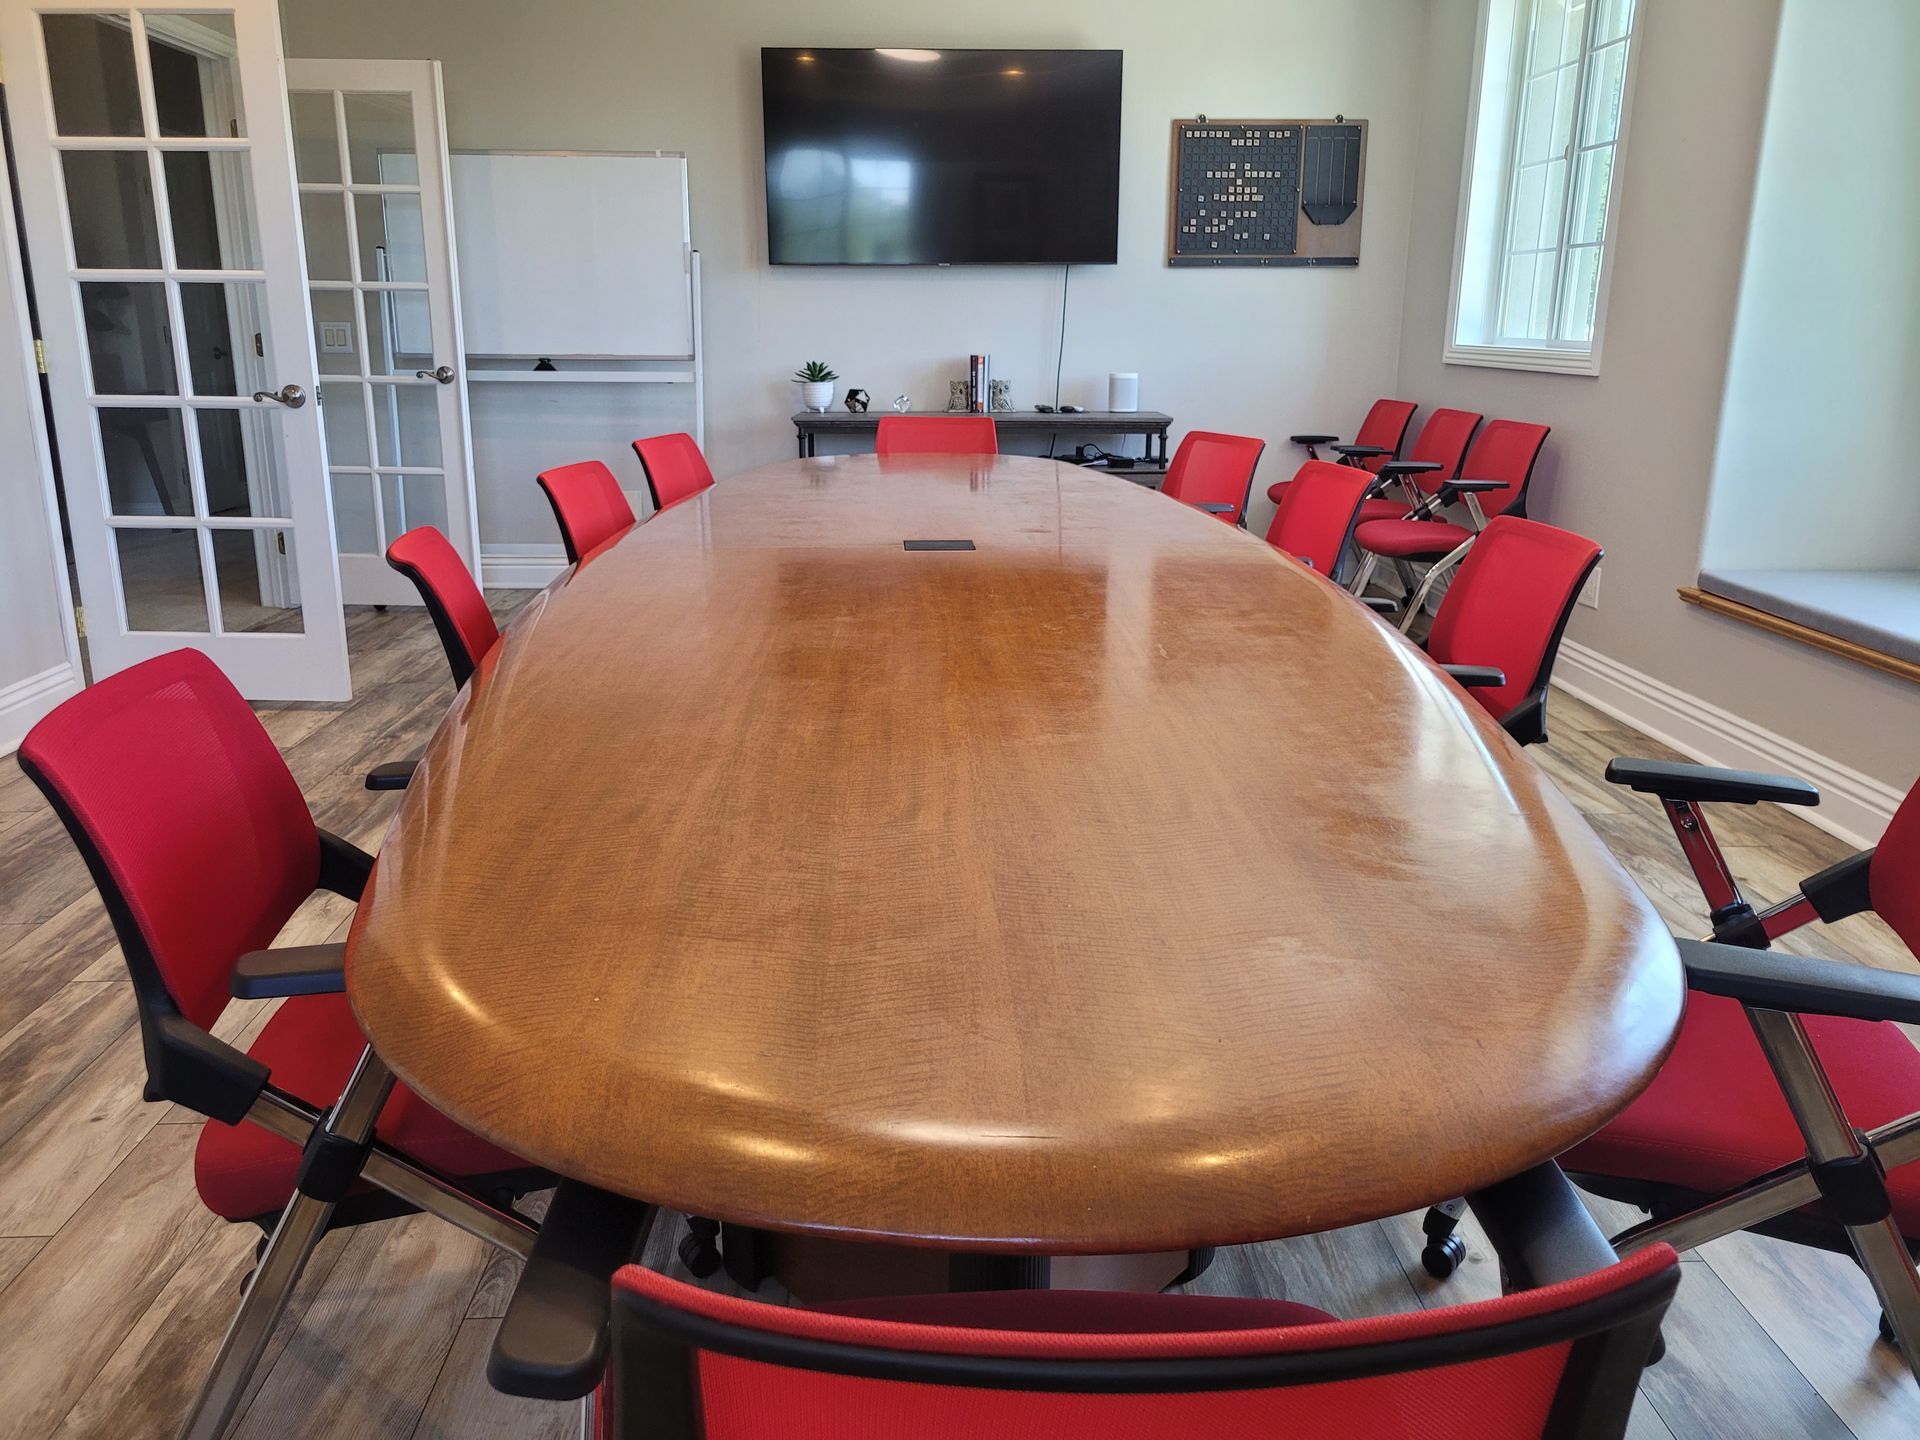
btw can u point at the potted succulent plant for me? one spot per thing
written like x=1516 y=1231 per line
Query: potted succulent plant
x=816 y=384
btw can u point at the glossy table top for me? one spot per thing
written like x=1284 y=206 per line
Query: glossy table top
x=1115 y=885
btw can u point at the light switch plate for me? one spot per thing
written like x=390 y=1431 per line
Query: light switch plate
x=336 y=339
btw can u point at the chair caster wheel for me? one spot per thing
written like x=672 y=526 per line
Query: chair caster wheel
x=700 y=1256
x=1442 y=1257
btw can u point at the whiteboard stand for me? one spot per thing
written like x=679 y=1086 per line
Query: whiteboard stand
x=517 y=369
x=584 y=260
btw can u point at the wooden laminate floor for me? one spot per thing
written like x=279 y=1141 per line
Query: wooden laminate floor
x=115 y=1284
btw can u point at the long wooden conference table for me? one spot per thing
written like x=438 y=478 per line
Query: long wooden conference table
x=1112 y=885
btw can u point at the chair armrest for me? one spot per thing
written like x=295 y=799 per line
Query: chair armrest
x=1677 y=780
x=393 y=775
x=344 y=867
x=1313 y=439
x=1801 y=984
x=1452 y=490
x=1217 y=509
x=1477 y=677
x=1361 y=452
x=552 y=1342
x=1841 y=890
x=1407 y=467
x=291 y=970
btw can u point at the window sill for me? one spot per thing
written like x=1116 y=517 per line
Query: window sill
x=1871 y=617
x=1521 y=357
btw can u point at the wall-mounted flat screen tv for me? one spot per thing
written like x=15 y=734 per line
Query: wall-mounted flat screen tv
x=942 y=157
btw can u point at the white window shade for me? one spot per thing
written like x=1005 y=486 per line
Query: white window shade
x=1545 y=147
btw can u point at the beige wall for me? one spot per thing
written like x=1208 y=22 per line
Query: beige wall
x=1826 y=344
x=1262 y=352
x=1632 y=450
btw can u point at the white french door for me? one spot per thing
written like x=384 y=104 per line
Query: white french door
x=156 y=177
x=370 y=151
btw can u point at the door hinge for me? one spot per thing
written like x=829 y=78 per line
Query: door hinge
x=40 y=354
x=280 y=540
x=259 y=350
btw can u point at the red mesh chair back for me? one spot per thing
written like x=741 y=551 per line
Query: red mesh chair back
x=192 y=827
x=936 y=435
x=1505 y=450
x=1214 y=469
x=1443 y=441
x=460 y=614
x=1562 y=1360
x=674 y=467
x=1317 y=514
x=1508 y=607
x=1893 y=875
x=1386 y=426
x=588 y=503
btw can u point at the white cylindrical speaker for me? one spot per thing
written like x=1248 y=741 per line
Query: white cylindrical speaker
x=1123 y=392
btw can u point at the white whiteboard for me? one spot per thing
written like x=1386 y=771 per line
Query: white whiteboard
x=583 y=255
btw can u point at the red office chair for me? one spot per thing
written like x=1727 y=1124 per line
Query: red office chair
x=1561 y=1361
x=936 y=435
x=1317 y=514
x=1379 y=437
x=1790 y=1105
x=460 y=616
x=1493 y=481
x=675 y=468
x=588 y=504
x=1499 y=626
x=1214 y=473
x=202 y=847
x=1435 y=457
x=447 y=588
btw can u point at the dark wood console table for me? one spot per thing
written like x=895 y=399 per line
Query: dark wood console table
x=1150 y=423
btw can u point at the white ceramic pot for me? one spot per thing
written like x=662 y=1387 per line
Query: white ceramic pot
x=816 y=394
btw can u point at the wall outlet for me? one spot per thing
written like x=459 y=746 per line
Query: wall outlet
x=1590 y=592
x=336 y=339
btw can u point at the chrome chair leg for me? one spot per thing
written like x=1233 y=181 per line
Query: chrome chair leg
x=1370 y=563
x=1434 y=574
x=1832 y=1140
x=301 y=1225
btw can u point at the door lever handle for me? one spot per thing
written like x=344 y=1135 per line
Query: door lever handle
x=291 y=396
x=444 y=374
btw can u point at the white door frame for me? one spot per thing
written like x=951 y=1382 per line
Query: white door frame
x=31 y=555
x=366 y=579
x=311 y=665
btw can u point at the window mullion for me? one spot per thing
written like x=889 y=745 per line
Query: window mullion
x=1503 y=252
x=1556 y=312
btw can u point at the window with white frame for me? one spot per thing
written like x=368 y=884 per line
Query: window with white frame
x=1544 y=151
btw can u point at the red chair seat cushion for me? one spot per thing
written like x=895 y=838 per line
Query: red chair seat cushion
x=1714 y=1117
x=1083 y=1312
x=1411 y=539
x=310 y=1046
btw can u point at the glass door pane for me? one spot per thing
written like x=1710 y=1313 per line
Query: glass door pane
x=371 y=155
x=181 y=371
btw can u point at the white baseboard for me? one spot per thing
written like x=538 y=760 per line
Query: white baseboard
x=24 y=701
x=520 y=567
x=1853 y=806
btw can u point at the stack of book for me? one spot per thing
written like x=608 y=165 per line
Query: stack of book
x=977 y=384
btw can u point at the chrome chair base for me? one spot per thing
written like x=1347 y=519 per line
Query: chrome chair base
x=304 y=1222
